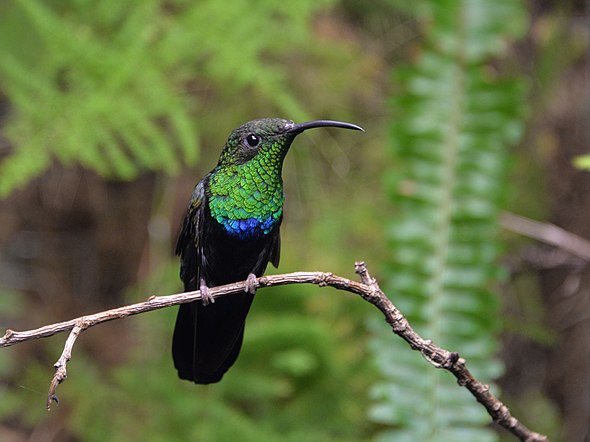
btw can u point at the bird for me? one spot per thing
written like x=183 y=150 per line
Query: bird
x=230 y=233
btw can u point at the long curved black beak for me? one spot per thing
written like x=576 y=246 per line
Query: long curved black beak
x=298 y=128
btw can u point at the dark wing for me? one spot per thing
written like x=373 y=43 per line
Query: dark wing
x=189 y=244
x=189 y=247
x=274 y=255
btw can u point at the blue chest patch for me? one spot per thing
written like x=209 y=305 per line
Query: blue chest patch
x=249 y=227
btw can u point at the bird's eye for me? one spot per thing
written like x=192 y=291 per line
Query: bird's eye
x=253 y=140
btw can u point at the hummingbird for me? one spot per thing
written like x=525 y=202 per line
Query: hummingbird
x=230 y=233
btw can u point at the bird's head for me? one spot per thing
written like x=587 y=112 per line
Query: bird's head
x=268 y=139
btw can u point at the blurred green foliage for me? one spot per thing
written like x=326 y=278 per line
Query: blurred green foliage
x=583 y=162
x=100 y=83
x=124 y=87
x=453 y=119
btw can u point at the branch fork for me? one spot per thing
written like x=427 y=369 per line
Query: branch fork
x=61 y=372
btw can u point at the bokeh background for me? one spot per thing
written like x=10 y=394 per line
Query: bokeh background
x=110 y=112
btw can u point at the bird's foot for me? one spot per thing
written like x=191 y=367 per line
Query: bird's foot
x=251 y=284
x=206 y=297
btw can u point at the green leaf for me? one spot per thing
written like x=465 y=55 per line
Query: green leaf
x=582 y=162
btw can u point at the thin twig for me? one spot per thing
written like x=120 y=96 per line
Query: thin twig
x=61 y=372
x=368 y=289
x=547 y=233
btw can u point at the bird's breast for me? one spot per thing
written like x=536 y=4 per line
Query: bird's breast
x=246 y=207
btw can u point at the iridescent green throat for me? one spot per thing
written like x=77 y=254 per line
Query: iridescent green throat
x=247 y=199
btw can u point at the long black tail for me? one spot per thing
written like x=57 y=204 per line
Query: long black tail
x=207 y=339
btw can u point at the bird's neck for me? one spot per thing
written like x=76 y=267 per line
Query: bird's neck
x=247 y=199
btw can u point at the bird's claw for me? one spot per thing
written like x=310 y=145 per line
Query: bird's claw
x=206 y=297
x=251 y=284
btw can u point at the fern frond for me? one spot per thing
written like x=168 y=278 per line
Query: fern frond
x=122 y=67
x=451 y=126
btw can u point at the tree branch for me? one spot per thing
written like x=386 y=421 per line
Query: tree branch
x=547 y=233
x=368 y=289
